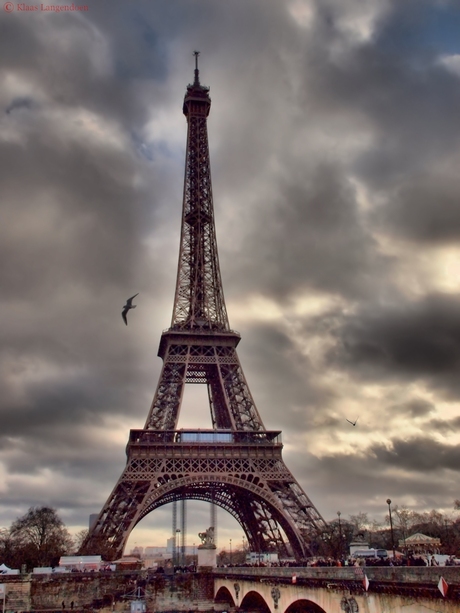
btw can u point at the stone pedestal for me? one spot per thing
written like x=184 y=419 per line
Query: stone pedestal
x=207 y=556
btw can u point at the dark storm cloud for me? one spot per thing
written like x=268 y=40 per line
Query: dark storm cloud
x=84 y=398
x=417 y=339
x=293 y=400
x=444 y=426
x=85 y=206
x=313 y=238
x=20 y=103
x=413 y=408
x=353 y=482
x=74 y=199
x=394 y=89
x=420 y=454
x=404 y=115
x=395 y=84
x=423 y=208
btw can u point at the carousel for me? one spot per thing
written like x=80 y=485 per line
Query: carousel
x=420 y=543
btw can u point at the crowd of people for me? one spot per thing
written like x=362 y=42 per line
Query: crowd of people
x=404 y=560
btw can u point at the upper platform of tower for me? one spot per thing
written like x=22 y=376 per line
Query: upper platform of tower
x=197 y=100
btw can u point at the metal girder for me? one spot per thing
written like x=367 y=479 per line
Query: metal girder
x=203 y=360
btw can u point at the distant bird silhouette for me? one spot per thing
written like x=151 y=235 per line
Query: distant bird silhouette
x=129 y=305
x=353 y=423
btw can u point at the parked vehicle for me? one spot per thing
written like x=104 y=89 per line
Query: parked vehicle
x=370 y=553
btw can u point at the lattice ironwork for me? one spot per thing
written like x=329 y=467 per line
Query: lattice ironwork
x=199 y=300
x=203 y=359
x=238 y=464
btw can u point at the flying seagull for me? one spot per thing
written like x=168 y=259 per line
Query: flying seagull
x=353 y=423
x=129 y=305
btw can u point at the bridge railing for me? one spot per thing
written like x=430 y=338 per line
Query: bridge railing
x=391 y=574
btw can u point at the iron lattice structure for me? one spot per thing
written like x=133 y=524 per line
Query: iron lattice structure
x=237 y=464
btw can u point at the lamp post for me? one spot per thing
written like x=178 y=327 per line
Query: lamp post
x=391 y=528
x=230 y=551
x=340 y=534
x=177 y=545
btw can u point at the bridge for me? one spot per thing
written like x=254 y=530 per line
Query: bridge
x=337 y=590
x=241 y=590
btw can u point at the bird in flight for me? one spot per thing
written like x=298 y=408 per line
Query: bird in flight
x=129 y=305
x=353 y=423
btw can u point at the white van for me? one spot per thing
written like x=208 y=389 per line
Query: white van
x=370 y=553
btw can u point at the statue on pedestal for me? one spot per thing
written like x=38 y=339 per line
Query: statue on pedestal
x=207 y=539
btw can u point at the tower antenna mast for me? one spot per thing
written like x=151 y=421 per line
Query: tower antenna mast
x=197 y=79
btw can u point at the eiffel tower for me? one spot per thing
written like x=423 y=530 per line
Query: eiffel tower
x=236 y=465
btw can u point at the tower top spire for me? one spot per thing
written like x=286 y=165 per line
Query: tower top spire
x=197 y=98
x=197 y=72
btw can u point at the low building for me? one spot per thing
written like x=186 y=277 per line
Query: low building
x=81 y=563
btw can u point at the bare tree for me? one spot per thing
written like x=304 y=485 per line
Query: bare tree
x=7 y=548
x=41 y=537
x=360 y=522
x=403 y=520
x=79 y=538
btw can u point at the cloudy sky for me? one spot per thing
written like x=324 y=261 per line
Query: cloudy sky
x=335 y=148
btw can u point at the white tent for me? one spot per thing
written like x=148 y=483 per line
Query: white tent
x=4 y=570
x=81 y=562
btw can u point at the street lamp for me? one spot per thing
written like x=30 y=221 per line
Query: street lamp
x=177 y=546
x=340 y=534
x=391 y=528
x=230 y=551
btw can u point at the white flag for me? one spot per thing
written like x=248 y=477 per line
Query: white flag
x=443 y=586
x=366 y=583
